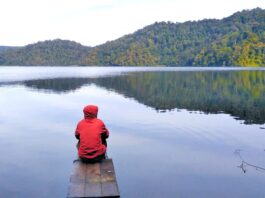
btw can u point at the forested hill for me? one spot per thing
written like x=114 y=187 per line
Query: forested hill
x=238 y=40
x=55 y=52
x=5 y=48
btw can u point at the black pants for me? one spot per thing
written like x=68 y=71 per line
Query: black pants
x=94 y=160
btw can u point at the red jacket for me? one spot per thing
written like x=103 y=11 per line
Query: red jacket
x=89 y=131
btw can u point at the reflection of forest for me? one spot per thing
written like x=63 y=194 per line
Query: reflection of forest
x=58 y=85
x=238 y=93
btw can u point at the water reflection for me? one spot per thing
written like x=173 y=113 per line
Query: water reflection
x=238 y=93
x=59 y=85
x=170 y=154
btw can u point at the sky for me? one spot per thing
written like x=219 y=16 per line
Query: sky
x=94 y=22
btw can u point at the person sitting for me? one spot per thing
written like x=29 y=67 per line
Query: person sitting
x=92 y=134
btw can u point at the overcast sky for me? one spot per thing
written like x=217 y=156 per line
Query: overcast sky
x=93 y=22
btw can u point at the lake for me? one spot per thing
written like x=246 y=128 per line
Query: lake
x=174 y=132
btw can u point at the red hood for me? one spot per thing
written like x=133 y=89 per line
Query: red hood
x=90 y=111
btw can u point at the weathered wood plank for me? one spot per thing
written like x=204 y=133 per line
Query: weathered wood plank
x=93 y=180
x=77 y=180
x=108 y=179
x=93 y=183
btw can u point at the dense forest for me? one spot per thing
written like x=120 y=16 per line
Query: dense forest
x=238 y=40
x=55 y=52
x=5 y=48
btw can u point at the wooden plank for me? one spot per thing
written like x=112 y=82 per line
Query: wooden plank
x=93 y=180
x=77 y=180
x=93 y=183
x=108 y=179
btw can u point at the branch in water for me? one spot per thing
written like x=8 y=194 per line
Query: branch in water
x=245 y=164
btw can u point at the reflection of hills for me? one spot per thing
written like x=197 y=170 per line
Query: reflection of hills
x=238 y=93
x=58 y=85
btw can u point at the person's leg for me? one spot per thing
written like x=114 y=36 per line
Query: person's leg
x=93 y=160
x=104 y=141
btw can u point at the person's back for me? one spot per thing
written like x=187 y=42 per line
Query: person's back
x=91 y=133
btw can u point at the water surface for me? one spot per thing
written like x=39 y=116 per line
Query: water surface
x=177 y=132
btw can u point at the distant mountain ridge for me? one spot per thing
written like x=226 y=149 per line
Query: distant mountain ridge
x=5 y=48
x=238 y=40
x=55 y=52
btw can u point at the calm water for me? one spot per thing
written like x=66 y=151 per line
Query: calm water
x=177 y=132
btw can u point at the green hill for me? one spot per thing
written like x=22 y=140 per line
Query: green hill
x=52 y=53
x=5 y=48
x=238 y=40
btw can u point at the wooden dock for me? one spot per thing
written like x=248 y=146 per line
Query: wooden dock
x=93 y=180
